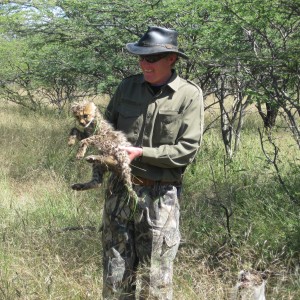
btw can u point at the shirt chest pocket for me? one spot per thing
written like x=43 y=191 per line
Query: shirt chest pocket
x=166 y=127
x=129 y=120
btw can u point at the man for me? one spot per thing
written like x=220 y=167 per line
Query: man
x=162 y=116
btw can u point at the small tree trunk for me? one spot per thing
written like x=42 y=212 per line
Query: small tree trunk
x=268 y=117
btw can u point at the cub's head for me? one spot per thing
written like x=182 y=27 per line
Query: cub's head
x=85 y=113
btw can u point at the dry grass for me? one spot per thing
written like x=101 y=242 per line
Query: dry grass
x=40 y=260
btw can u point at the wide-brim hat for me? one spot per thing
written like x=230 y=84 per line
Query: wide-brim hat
x=156 y=40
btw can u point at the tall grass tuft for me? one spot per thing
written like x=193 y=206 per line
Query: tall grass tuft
x=234 y=215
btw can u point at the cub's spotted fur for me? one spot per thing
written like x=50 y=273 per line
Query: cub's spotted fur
x=95 y=131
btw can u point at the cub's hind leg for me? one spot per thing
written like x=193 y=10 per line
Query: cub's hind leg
x=123 y=163
x=125 y=174
x=95 y=182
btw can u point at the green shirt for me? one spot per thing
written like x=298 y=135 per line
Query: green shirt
x=168 y=125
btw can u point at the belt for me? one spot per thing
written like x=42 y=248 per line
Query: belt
x=148 y=182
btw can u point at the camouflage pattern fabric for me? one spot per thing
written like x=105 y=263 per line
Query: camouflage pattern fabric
x=143 y=242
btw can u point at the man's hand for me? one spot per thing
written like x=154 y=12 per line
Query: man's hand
x=133 y=152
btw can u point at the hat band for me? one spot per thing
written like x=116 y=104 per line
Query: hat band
x=168 y=46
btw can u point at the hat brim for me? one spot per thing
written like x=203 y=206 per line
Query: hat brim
x=139 y=50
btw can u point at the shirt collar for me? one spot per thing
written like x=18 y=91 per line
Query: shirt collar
x=174 y=81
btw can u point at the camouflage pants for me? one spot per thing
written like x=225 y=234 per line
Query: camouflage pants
x=140 y=245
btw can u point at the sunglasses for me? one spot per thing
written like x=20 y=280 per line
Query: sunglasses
x=153 y=58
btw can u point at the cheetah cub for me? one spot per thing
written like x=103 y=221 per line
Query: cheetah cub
x=94 y=131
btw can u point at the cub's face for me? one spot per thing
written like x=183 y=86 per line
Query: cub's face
x=85 y=113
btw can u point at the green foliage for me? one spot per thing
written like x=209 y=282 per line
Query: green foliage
x=77 y=47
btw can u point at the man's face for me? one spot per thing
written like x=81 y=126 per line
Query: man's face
x=157 y=68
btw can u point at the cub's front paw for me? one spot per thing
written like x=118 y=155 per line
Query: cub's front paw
x=79 y=156
x=71 y=140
